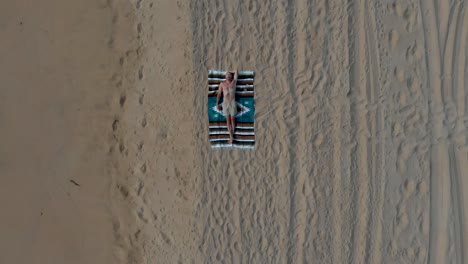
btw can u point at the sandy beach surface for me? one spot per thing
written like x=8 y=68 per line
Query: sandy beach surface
x=361 y=127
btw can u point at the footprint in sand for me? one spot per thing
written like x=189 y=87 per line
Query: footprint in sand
x=399 y=74
x=115 y=125
x=122 y=100
x=402 y=221
x=404 y=152
x=410 y=18
x=409 y=187
x=422 y=189
x=140 y=187
x=137 y=234
x=393 y=38
x=140 y=146
x=143 y=122
x=140 y=73
x=141 y=215
x=396 y=8
x=140 y=99
x=123 y=190
x=138 y=4
x=143 y=168
x=393 y=248
x=166 y=238
x=413 y=53
x=413 y=85
x=121 y=147
x=139 y=28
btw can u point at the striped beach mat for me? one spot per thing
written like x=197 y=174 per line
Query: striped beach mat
x=244 y=134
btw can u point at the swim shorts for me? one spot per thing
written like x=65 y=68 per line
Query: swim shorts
x=229 y=108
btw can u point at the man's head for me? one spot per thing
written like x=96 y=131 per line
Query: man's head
x=229 y=76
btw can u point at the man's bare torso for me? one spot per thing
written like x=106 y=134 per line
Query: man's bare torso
x=229 y=90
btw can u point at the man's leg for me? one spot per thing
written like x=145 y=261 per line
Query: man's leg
x=226 y=114
x=233 y=125
x=229 y=124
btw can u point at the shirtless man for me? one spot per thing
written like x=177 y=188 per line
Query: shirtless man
x=227 y=88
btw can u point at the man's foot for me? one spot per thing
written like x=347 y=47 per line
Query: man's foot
x=230 y=140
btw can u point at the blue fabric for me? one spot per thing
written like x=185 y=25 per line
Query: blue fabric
x=247 y=115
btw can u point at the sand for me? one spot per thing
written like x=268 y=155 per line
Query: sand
x=58 y=99
x=361 y=132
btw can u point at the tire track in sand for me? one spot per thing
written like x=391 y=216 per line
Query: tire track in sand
x=346 y=131
x=272 y=159
x=207 y=222
x=440 y=184
x=338 y=58
x=454 y=109
x=311 y=82
x=376 y=151
x=460 y=182
x=359 y=157
x=295 y=238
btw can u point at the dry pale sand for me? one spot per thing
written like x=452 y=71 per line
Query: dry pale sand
x=59 y=66
x=361 y=132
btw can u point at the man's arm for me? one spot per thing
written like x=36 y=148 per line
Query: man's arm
x=236 y=73
x=220 y=91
